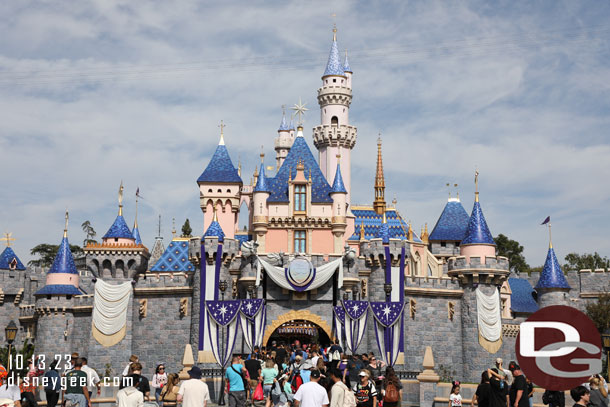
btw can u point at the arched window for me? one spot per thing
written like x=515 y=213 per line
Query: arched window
x=334 y=121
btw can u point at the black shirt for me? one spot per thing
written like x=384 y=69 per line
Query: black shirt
x=253 y=366
x=144 y=385
x=280 y=356
x=483 y=395
x=498 y=394
x=519 y=384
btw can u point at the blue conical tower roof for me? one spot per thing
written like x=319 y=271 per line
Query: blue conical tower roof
x=119 y=229
x=291 y=127
x=261 y=182
x=477 y=231
x=346 y=67
x=214 y=230
x=552 y=276
x=333 y=66
x=136 y=234
x=7 y=257
x=338 y=185
x=284 y=125
x=220 y=167
x=452 y=223
x=64 y=262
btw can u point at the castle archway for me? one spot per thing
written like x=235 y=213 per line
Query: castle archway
x=309 y=324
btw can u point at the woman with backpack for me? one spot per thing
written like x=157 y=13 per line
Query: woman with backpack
x=392 y=388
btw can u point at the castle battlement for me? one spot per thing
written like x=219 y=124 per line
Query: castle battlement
x=459 y=263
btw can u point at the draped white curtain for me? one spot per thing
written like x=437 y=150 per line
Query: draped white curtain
x=489 y=315
x=254 y=327
x=323 y=274
x=110 y=303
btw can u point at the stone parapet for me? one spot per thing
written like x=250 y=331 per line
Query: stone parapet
x=334 y=95
x=326 y=135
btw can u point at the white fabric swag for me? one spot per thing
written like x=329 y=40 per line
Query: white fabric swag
x=323 y=274
x=254 y=327
x=110 y=304
x=489 y=315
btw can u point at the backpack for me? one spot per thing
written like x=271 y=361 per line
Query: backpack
x=296 y=380
x=349 y=398
x=391 y=393
x=334 y=355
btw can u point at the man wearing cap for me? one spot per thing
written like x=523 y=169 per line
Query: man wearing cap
x=311 y=394
x=518 y=391
x=193 y=392
x=366 y=393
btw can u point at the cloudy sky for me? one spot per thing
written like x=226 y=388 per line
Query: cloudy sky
x=95 y=92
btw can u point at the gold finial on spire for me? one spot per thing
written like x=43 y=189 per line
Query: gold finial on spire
x=362 y=236
x=449 y=189
x=135 y=222
x=333 y=15
x=262 y=154
x=222 y=126
x=384 y=219
x=66 y=224
x=410 y=233
x=173 y=227
x=379 y=202
x=425 y=235
x=476 y=185
x=8 y=239
x=215 y=218
x=457 y=193
x=121 y=199
x=550 y=236
x=239 y=166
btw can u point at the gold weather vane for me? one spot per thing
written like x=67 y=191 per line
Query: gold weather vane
x=476 y=185
x=173 y=227
x=66 y=225
x=121 y=199
x=222 y=126
x=8 y=239
x=299 y=110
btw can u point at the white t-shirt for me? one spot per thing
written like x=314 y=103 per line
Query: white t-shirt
x=10 y=392
x=311 y=394
x=456 y=399
x=194 y=392
x=92 y=377
x=509 y=376
x=129 y=397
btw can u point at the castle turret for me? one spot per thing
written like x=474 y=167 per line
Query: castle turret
x=284 y=140
x=449 y=230
x=552 y=287
x=219 y=189
x=260 y=208
x=478 y=241
x=334 y=131
x=338 y=194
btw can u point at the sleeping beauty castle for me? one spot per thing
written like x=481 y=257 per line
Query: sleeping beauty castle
x=312 y=265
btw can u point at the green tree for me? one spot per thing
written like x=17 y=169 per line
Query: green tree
x=186 y=229
x=27 y=350
x=514 y=251
x=46 y=254
x=599 y=311
x=89 y=233
x=575 y=261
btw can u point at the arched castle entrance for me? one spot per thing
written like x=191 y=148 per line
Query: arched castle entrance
x=291 y=316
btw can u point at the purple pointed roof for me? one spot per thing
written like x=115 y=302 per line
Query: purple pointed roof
x=477 y=231
x=261 y=181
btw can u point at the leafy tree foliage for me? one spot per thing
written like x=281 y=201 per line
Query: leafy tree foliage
x=599 y=311
x=513 y=251
x=89 y=233
x=575 y=261
x=27 y=350
x=46 y=254
x=186 y=229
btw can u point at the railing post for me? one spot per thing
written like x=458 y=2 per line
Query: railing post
x=428 y=380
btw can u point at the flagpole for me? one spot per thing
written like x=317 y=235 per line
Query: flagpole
x=550 y=236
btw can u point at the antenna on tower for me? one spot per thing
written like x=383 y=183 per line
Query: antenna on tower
x=159 y=233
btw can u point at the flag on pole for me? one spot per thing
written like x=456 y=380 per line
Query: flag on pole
x=547 y=220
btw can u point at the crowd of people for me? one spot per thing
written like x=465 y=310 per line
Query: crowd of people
x=281 y=375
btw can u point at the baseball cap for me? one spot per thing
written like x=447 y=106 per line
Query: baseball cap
x=315 y=373
x=513 y=366
x=363 y=373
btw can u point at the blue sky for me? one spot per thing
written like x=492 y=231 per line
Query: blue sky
x=92 y=93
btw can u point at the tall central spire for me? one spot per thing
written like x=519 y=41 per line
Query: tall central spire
x=379 y=203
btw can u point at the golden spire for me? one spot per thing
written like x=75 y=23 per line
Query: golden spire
x=66 y=225
x=215 y=218
x=8 y=239
x=410 y=233
x=121 y=199
x=262 y=154
x=362 y=237
x=334 y=32
x=476 y=185
x=425 y=235
x=379 y=202
x=239 y=166
x=384 y=219
x=222 y=135
x=310 y=175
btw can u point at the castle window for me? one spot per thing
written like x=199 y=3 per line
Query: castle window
x=300 y=198
x=210 y=190
x=228 y=191
x=299 y=241
x=219 y=190
x=334 y=80
x=443 y=244
x=334 y=121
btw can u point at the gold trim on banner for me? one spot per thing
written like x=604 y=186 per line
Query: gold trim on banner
x=491 y=347
x=108 y=340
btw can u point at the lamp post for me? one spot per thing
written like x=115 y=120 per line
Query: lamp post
x=388 y=290
x=606 y=346
x=10 y=332
x=222 y=286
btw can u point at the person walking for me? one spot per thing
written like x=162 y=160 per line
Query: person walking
x=159 y=380
x=338 y=390
x=482 y=395
x=194 y=392
x=130 y=396
x=498 y=389
x=93 y=379
x=392 y=388
x=455 y=398
x=365 y=391
x=53 y=387
x=311 y=394
x=580 y=394
x=237 y=391
x=269 y=373
x=254 y=368
x=143 y=384
x=76 y=386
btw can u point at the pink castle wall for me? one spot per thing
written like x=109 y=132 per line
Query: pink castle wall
x=62 y=278
x=321 y=241
x=477 y=250
x=277 y=241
